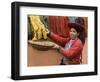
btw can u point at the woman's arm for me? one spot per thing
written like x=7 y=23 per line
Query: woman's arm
x=58 y=39
x=76 y=49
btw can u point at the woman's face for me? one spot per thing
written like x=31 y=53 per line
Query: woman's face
x=73 y=33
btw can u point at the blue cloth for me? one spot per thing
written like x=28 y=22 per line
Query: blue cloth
x=72 y=19
x=68 y=46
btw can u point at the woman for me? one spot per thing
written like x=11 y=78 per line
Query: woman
x=72 y=46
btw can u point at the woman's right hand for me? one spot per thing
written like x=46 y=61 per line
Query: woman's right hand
x=48 y=32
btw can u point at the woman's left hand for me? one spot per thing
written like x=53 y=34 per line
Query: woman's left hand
x=56 y=46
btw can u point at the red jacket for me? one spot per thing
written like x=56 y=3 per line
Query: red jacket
x=74 y=53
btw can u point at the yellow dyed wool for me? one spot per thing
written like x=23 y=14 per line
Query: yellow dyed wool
x=38 y=28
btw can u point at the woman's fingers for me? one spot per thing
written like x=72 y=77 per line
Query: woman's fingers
x=56 y=46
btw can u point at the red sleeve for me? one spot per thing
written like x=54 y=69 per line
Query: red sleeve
x=76 y=49
x=58 y=39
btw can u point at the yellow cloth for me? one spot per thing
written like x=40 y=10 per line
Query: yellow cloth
x=38 y=28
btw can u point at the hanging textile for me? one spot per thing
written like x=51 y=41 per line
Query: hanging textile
x=59 y=25
x=39 y=29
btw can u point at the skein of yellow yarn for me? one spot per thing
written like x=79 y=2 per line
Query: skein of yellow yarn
x=38 y=28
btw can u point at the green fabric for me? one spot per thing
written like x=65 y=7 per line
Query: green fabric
x=30 y=30
x=45 y=21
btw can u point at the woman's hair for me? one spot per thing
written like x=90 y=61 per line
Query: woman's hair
x=82 y=37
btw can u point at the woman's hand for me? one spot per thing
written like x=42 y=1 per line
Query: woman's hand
x=56 y=46
x=48 y=32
